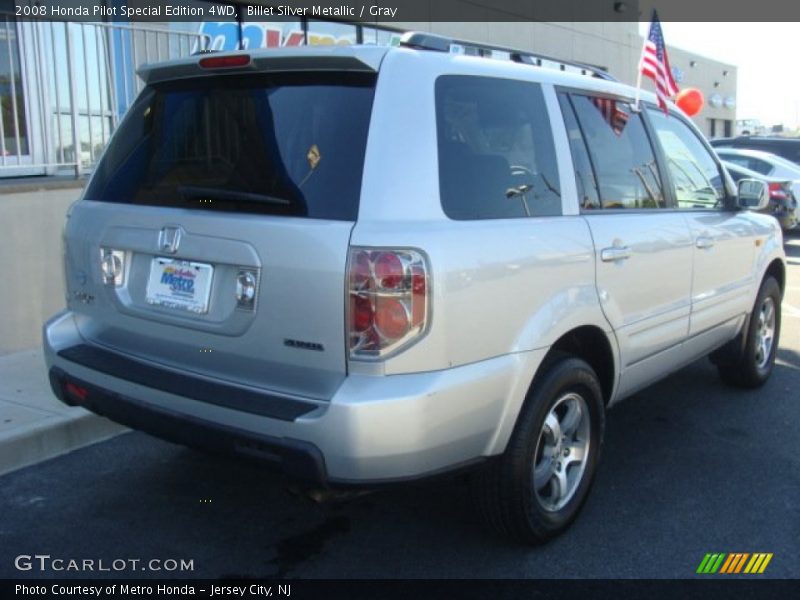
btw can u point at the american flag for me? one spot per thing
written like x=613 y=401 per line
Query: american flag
x=655 y=64
x=613 y=113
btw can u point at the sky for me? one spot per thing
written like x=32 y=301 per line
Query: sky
x=768 y=78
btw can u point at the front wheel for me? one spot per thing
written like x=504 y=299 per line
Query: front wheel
x=537 y=487
x=757 y=359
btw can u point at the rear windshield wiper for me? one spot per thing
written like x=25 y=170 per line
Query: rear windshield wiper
x=211 y=193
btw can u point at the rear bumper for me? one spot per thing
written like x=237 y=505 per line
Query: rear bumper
x=299 y=458
x=375 y=429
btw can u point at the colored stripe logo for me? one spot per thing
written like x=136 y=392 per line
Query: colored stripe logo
x=734 y=562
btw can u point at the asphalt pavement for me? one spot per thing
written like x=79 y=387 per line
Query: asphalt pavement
x=690 y=466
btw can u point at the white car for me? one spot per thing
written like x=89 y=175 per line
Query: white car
x=370 y=265
x=765 y=163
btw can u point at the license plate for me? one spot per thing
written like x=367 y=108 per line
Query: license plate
x=179 y=284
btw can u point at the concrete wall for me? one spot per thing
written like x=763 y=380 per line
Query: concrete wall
x=31 y=280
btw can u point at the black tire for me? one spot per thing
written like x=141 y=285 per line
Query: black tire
x=503 y=489
x=748 y=369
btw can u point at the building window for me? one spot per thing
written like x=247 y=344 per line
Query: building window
x=728 y=127
x=380 y=37
x=13 y=122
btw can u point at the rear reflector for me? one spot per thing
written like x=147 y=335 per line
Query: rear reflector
x=224 y=62
x=76 y=392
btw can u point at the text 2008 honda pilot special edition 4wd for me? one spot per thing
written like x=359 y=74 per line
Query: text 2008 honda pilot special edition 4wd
x=373 y=265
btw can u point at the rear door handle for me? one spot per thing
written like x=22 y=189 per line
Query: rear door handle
x=704 y=242
x=615 y=253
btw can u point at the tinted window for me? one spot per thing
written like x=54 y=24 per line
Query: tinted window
x=620 y=152
x=696 y=177
x=588 y=194
x=291 y=144
x=496 y=153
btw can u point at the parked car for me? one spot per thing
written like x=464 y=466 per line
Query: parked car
x=373 y=265
x=782 y=201
x=764 y=163
x=788 y=148
x=761 y=162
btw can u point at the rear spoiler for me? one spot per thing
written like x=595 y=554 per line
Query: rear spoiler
x=360 y=58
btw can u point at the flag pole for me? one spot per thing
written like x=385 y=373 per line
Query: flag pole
x=636 y=106
x=638 y=87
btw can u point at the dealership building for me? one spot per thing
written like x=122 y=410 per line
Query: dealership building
x=64 y=85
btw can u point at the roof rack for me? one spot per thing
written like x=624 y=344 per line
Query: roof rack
x=425 y=41
x=438 y=43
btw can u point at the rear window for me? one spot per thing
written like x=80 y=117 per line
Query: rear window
x=288 y=144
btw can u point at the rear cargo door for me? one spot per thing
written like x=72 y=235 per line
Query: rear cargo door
x=213 y=236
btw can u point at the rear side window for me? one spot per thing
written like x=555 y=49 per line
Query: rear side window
x=289 y=144
x=620 y=152
x=496 y=153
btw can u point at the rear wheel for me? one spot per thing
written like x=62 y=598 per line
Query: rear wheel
x=756 y=360
x=537 y=487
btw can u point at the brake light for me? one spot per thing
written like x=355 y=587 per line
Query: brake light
x=225 y=62
x=778 y=191
x=388 y=300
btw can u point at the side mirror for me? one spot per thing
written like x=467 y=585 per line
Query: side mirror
x=752 y=194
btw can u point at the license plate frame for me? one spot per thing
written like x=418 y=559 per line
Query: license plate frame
x=177 y=284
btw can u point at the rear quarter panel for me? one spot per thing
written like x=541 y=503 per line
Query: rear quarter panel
x=499 y=286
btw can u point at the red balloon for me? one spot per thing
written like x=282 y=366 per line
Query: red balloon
x=690 y=101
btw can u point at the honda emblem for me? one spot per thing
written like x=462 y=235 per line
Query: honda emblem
x=169 y=239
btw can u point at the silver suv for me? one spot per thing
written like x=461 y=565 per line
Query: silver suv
x=372 y=265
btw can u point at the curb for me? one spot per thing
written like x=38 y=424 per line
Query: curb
x=52 y=437
x=34 y=425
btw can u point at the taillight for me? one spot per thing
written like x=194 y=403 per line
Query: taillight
x=778 y=191
x=225 y=62
x=388 y=300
